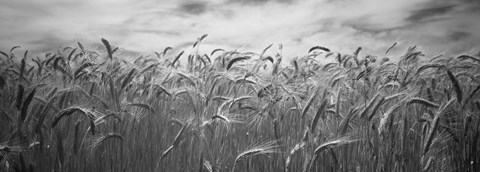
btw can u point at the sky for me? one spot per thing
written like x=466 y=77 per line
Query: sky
x=434 y=26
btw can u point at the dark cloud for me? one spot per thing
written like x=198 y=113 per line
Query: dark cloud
x=195 y=7
x=472 y=6
x=423 y=14
x=257 y=2
x=361 y=25
x=371 y=30
x=458 y=35
x=471 y=2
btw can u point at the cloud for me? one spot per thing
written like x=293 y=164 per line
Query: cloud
x=423 y=14
x=194 y=7
x=458 y=35
x=258 y=2
x=248 y=25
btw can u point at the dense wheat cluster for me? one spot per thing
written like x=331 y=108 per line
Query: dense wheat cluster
x=82 y=110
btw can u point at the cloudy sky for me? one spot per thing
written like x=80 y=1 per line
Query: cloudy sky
x=436 y=26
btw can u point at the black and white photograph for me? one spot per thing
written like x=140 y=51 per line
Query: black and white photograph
x=239 y=85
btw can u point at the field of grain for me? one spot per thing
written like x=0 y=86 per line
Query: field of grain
x=81 y=110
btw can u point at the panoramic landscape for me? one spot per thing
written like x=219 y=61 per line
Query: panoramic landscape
x=237 y=94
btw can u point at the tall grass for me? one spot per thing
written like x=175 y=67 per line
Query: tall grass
x=82 y=110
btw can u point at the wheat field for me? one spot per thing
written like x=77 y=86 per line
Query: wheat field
x=77 y=109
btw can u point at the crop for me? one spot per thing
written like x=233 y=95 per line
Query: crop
x=83 y=110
